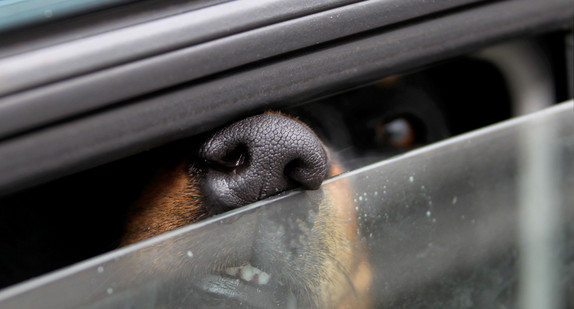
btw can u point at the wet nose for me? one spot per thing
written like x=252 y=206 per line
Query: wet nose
x=259 y=157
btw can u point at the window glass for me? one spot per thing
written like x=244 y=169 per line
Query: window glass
x=451 y=225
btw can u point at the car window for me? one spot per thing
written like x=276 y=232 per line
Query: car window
x=448 y=226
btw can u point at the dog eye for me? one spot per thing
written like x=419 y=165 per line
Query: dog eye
x=399 y=132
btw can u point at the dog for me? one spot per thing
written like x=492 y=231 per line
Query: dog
x=269 y=153
x=266 y=154
x=316 y=261
x=247 y=161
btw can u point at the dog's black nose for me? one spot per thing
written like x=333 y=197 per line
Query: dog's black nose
x=259 y=157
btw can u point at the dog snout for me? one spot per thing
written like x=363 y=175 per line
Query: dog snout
x=259 y=157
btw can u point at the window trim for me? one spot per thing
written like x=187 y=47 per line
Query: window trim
x=156 y=119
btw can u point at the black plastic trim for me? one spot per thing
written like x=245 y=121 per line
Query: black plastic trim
x=56 y=101
x=54 y=32
x=104 y=50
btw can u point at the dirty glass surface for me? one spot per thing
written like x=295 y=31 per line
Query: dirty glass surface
x=482 y=220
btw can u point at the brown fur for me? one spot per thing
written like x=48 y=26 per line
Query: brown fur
x=340 y=212
x=171 y=200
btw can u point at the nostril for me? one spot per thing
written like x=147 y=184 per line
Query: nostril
x=304 y=173
x=230 y=160
x=258 y=157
